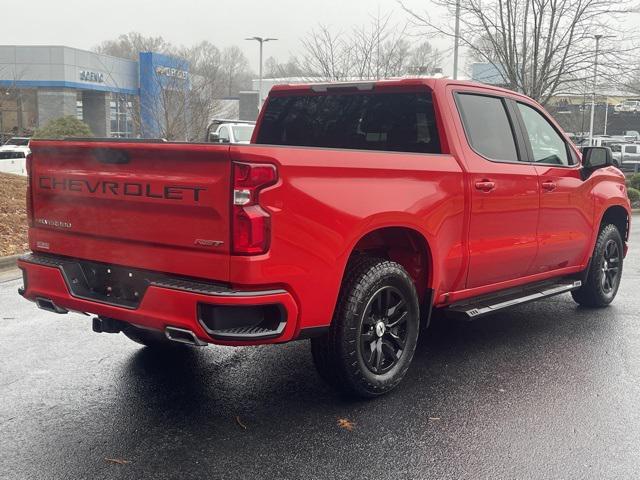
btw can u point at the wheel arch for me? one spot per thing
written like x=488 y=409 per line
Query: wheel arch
x=618 y=216
x=402 y=244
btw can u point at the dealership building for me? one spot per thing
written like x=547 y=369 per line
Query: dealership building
x=116 y=97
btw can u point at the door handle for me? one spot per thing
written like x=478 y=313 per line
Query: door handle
x=549 y=186
x=485 y=185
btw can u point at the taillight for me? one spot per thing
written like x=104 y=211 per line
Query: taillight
x=251 y=224
x=28 y=160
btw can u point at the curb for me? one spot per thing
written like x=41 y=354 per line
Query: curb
x=7 y=263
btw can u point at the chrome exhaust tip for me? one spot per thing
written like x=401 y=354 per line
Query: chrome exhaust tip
x=182 y=335
x=49 y=306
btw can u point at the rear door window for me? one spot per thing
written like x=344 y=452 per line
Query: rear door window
x=487 y=126
x=403 y=122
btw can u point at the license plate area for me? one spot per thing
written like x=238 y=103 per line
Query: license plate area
x=107 y=283
x=118 y=285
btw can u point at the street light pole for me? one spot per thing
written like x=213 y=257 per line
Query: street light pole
x=606 y=114
x=456 y=41
x=260 y=40
x=595 y=82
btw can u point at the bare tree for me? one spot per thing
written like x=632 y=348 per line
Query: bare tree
x=207 y=85
x=537 y=46
x=424 y=59
x=13 y=99
x=291 y=68
x=379 y=49
x=235 y=68
x=129 y=45
x=393 y=60
x=204 y=59
x=184 y=106
x=327 y=54
x=630 y=83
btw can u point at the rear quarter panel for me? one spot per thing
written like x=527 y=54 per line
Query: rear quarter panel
x=328 y=199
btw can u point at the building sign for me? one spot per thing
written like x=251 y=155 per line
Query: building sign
x=171 y=72
x=89 y=76
x=160 y=73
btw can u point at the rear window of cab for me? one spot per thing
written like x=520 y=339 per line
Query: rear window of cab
x=403 y=122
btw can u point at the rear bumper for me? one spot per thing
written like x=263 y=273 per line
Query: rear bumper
x=176 y=303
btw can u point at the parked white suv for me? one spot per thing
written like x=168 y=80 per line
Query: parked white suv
x=233 y=133
x=632 y=106
x=13 y=155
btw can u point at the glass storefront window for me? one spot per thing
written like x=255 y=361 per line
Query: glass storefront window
x=18 y=112
x=121 y=116
x=79 y=113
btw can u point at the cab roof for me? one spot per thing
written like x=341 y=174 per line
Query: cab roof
x=392 y=84
x=363 y=85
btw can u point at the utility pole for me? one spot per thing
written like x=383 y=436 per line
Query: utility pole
x=456 y=41
x=595 y=83
x=260 y=40
x=598 y=37
x=606 y=114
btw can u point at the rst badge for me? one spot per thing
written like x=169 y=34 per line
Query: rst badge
x=208 y=243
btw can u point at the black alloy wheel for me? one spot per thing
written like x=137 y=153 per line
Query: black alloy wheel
x=383 y=333
x=610 y=266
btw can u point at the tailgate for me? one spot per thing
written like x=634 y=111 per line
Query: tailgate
x=157 y=206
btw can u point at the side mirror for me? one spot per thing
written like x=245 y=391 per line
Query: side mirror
x=596 y=157
x=214 y=138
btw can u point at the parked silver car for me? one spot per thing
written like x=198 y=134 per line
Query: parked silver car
x=626 y=155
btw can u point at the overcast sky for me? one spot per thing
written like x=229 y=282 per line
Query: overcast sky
x=85 y=23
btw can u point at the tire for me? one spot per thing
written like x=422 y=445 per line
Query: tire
x=374 y=331
x=155 y=339
x=603 y=277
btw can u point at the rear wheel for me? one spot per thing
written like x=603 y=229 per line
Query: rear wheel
x=373 y=335
x=605 y=271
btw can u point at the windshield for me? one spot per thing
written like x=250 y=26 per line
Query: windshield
x=18 y=141
x=243 y=133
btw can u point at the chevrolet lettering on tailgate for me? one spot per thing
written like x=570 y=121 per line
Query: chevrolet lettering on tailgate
x=109 y=187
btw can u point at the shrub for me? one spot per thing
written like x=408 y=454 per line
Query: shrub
x=64 y=127
x=634 y=181
x=634 y=197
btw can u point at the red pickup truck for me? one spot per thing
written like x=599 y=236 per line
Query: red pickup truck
x=357 y=210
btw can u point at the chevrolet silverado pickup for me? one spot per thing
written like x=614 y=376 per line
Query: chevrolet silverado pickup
x=356 y=211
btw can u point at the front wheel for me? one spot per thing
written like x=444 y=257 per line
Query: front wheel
x=374 y=332
x=605 y=270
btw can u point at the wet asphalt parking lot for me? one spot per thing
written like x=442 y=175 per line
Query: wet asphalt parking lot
x=545 y=391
